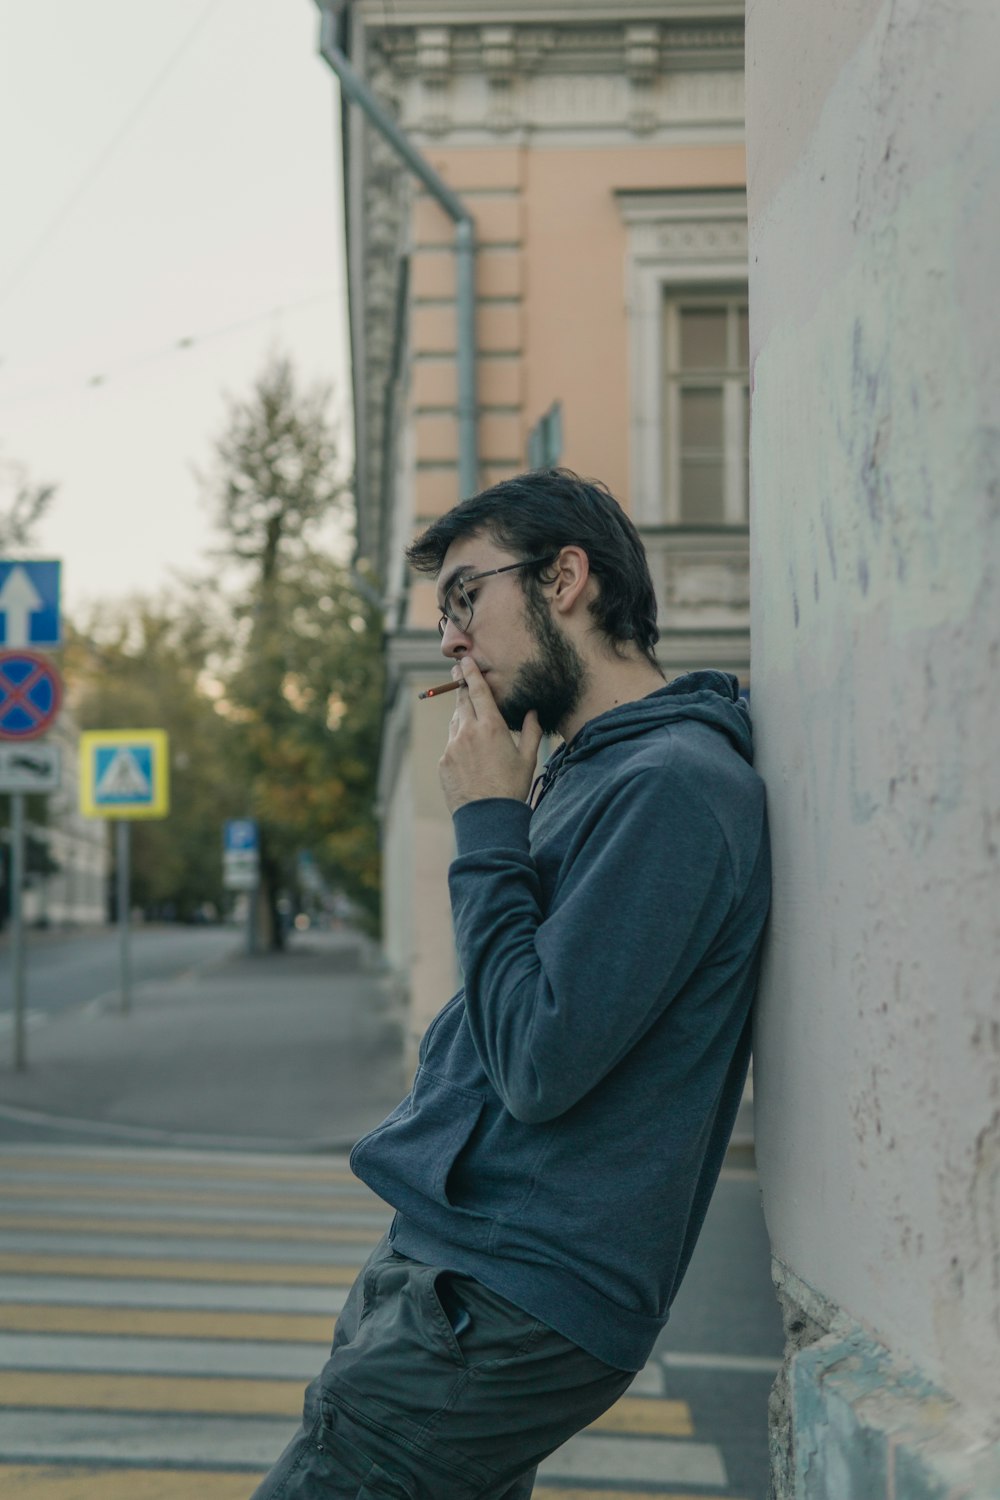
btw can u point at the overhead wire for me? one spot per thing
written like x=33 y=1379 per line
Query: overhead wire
x=167 y=351
x=57 y=220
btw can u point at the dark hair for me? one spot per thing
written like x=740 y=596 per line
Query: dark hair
x=536 y=514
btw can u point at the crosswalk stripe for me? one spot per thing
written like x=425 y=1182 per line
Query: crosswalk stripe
x=176 y=1228
x=195 y=1440
x=138 y=1291
x=640 y=1415
x=262 y=1170
x=44 y=1389
x=200 y=1249
x=365 y=1202
x=110 y=1266
x=546 y=1492
x=140 y=1322
x=590 y=1456
x=37 y=1482
x=161 y=1314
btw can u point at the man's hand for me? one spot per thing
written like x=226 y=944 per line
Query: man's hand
x=482 y=757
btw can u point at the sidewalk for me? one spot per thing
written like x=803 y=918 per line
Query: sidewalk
x=299 y=1051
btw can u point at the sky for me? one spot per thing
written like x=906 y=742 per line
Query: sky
x=172 y=215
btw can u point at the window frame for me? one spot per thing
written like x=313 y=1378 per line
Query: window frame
x=677 y=243
x=734 y=379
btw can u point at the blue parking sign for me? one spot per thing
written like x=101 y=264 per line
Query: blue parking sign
x=240 y=836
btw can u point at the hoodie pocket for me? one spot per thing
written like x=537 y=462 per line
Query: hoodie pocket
x=420 y=1146
x=444 y=1117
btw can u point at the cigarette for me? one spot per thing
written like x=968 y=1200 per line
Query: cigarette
x=443 y=687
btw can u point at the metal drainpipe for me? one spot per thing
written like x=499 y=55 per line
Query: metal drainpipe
x=465 y=239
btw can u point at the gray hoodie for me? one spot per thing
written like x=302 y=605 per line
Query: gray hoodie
x=574 y=1100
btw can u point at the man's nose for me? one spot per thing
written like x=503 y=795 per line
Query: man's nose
x=454 y=642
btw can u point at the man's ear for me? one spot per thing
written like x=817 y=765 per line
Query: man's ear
x=572 y=575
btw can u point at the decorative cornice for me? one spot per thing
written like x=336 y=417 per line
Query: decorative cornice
x=440 y=51
x=562 y=13
x=698 y=226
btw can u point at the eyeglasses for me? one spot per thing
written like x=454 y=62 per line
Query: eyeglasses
x=456 y=608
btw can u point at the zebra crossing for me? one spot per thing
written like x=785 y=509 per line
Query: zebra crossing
x=161 y=1312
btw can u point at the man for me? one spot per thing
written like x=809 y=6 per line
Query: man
x=553 y=1163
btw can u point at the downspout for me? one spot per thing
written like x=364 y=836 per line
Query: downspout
x=359 y=93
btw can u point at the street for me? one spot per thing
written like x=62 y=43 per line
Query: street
x=162 y=1307
x=66 y=969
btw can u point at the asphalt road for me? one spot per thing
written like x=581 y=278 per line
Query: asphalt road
x=64 y=970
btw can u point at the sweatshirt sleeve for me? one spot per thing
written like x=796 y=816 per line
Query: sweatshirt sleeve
x=556 y=998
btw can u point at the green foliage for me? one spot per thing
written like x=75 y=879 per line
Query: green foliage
x=142 y=665
x=308 y=696
x=267 y=677
x=304 y=677
x=22 y=506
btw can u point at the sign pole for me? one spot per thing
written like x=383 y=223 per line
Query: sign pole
x=17 y=926
x=252 y=896
x=124 y=900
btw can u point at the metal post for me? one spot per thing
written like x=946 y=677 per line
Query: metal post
x=17 y=927
x=253 y=896
x=124 y=902
x=465 y=291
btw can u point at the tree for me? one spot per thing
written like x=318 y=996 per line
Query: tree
x=22 y=506
x=142 y=664
x=303 y=673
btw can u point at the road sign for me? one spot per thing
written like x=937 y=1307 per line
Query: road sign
x=240 y=835
x=29 y=603
x=29 y=768
x=240 y=855
x=30 y=695
x=124 y=773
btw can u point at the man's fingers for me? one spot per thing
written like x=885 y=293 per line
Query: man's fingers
x=479 y=693
x=530 y=738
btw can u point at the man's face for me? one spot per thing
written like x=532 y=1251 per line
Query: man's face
x=525 y=657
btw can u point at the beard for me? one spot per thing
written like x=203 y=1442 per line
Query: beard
x=552 y=681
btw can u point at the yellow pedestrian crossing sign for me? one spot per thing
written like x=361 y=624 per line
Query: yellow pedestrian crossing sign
x=124 y=773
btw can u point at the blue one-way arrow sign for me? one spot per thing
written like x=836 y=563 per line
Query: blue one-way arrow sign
x=29 y=603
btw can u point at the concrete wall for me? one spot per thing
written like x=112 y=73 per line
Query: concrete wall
x=873 y=137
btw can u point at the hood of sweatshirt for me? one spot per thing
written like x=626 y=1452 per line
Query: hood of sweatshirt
x=709 y=697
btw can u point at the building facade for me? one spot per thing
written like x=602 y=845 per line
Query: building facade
x=72 y=888
x=598 y=149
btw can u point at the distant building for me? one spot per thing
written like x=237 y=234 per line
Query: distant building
x=72 y=854
x=599 y=149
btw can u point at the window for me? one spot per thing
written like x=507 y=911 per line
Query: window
x=706 y=407
x=686 y=290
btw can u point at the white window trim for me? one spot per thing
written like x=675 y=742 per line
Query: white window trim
x=675 y=241
x=736 y=440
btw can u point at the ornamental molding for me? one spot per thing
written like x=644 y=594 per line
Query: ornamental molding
x=635 y=75
x=611 y=104
x=611 y=46
x=702 y=581
x=703 y=227
x=700 y=240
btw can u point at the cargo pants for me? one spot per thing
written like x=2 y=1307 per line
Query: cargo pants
x=436 y=1389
